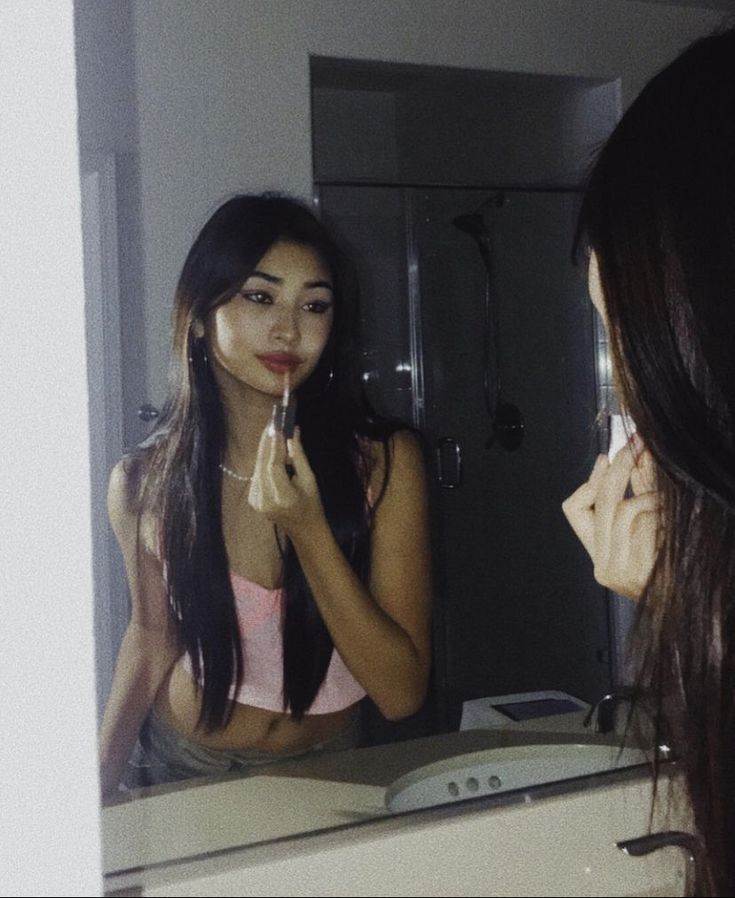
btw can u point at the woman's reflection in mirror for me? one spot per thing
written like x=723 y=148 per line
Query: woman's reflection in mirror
x=275 y=580
x=659 y=520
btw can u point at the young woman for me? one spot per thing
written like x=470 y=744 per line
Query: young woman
x=659 y=216
x=275 y=581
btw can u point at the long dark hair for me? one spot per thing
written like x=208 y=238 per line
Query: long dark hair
x=659 y=213
x=180 y=480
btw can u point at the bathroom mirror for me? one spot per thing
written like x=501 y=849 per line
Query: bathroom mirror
x=450 y=157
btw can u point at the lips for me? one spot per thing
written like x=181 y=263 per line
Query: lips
x=279 y=362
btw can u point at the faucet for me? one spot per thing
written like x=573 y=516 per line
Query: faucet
x=605 y=709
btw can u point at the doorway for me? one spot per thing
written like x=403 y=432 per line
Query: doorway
x=452 y=332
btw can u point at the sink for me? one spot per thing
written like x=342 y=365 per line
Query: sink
x=496 y=770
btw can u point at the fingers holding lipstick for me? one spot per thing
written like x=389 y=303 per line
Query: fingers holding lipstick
x=618 y=530
x=643 y=476
x=266 y=487
x=579 y=507
x=290 y=501
x=257 y=495
x=302 y=470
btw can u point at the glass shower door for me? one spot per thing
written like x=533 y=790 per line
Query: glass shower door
x=520 y=609
x=515 y=605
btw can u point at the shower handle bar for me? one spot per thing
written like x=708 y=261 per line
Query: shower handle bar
x=492 y=395
x=449 y=473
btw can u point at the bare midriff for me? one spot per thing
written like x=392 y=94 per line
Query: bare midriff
x=178 y=703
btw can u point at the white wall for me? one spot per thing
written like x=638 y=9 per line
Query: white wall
x=105 y=78
x=48 y=781
x=223 y=90
x=108 y=125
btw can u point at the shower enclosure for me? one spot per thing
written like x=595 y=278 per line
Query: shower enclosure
x=471 y=305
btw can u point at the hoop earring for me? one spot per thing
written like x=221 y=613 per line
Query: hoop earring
x=321 y=392
x=200 y=345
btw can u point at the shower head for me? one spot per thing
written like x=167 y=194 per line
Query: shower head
x=471 y=223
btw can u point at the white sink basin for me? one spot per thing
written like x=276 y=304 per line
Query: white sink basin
x=495 y=770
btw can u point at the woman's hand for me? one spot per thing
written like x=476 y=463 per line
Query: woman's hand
x=620 y=534
x=289 y=501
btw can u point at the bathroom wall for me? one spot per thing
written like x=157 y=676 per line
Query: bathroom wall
x=223 y=91
x=365 y=134
x=108 y=126
x=504 y=131
x=427 y=125
x=246 y=126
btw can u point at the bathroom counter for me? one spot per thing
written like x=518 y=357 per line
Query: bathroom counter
x=380 y=765
x=211 y=815
x=164 y=823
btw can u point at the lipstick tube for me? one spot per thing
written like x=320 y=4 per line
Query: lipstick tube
x=284 y=413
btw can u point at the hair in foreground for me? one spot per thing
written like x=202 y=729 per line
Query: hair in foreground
x=659 y=212
x=176 y=472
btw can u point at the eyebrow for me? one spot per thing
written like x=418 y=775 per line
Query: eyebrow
x=272 y=279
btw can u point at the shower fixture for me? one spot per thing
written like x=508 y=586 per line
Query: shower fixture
x=470 y=222
x=505 y=417
x=473 y=223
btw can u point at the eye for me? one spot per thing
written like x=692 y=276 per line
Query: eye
x=318 y=306
x=257 y=296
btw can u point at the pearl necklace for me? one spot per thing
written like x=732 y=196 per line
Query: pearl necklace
x=234 y=474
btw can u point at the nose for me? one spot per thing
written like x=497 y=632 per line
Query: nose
x=285 y=328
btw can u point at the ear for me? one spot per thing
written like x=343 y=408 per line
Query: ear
x=197 y=328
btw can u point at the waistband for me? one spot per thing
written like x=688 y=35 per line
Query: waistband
x=162 y=755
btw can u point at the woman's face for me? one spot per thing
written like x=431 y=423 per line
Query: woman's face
x=278 y=322
x=595 y=287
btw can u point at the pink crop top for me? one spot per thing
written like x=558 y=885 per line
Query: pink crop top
x=259 y=616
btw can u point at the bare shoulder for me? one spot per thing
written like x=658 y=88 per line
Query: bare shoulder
x=124 y=510
x=119 y=507
x=407 y=450
x=406 y=467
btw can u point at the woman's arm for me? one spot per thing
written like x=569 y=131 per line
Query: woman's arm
x=149 y=647
x=382 y=632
